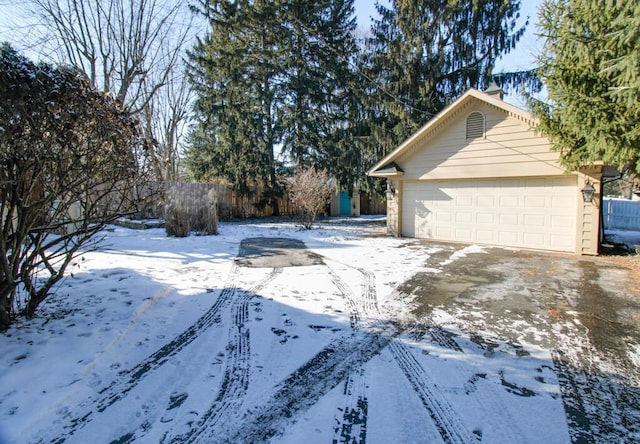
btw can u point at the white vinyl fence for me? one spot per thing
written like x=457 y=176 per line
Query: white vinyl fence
x=621 y=214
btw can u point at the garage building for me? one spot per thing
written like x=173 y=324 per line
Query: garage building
x=479 y=172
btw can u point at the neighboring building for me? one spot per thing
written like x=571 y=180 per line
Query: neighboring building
x=345 y=204
x=479 y=172
x=357 y=204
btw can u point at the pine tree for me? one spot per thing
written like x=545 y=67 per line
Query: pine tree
x=318 y=44
x=590 y=66
x=426 y=53
x=235 y=71
x=271 y=74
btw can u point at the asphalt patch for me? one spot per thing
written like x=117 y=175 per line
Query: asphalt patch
x=275 y=252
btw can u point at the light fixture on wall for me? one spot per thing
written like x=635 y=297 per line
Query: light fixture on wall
x=588 y=191
x=390 y=192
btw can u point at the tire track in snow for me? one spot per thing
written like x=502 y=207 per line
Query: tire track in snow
x=369 y=294
x=129 y=379
x=342 y=362
x=351 y=420
x=238 y=365
x=304 y=387
x=490 y=401
x=444 y=416
x=597 y=408
x=347 y=294
x=446 y=419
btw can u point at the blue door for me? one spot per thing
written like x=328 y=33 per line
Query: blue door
x=345 y=204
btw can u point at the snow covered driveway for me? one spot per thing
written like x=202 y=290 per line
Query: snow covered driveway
x=339 y=334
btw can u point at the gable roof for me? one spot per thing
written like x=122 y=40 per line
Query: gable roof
x=384 y=168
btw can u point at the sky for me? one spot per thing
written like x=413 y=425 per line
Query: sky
x=365 y=9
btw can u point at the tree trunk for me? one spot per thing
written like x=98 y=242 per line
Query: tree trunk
x=5 y=317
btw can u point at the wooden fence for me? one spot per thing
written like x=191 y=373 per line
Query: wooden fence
x=230 y=205
x=621 y=214
x=372 y=204
x=233 y=206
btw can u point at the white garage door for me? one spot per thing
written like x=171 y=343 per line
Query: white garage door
x=534 y=213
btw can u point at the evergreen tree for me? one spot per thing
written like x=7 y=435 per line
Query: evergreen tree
x=270 y=74
x=352 y=150
x=235 y=70
x=591 y=70
x=423 y=54
x=322 y=105
x=317 y=79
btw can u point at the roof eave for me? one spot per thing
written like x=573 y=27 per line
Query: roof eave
x=383 y=174
x=390 y=169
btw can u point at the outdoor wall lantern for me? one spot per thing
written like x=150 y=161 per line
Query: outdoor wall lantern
x=588 y=191
x=390 y=192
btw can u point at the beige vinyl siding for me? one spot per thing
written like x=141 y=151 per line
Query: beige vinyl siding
x=510 y=148
x=589 y=212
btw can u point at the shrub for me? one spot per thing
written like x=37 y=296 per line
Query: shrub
x=176 y=221
x=205 y=217
x=309 y=191
x=190 y=208
x=68 y=167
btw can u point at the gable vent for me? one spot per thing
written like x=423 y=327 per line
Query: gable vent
x=475 y=125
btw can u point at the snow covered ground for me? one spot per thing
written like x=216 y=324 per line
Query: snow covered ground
x=155 y=339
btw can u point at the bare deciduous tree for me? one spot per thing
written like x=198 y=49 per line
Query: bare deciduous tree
x=67 y=169
x=132 y=49
x=165 y=118
x=309 y=191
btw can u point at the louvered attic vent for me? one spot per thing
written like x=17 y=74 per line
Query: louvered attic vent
x=475 y=125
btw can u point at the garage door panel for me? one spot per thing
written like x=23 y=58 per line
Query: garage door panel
x=533 y=213
x=444 y=217
x=508 y=238
x=464 y=218
x=485 y=236
x=533 y=238
x=509 y=219
x=535 y=201
x=534 y=220
x=509 y=201
x=486 y=219
x=564 y=243
x=560 y=221
x=443 y=232
x=562 y=201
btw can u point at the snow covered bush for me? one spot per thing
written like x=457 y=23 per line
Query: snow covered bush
x=68 y=167
x=176 y=220
x=310 y=191
x=190 y=208
x=205 y=217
